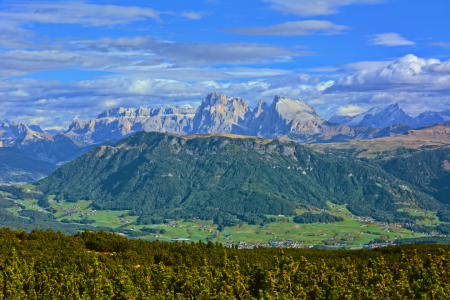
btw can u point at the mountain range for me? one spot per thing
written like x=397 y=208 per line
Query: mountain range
x=384 y=116
x=283 y=118
x=426 y=138
x=27 y=155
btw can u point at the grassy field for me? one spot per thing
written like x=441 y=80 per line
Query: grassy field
x=433 y=137
x=352 y=232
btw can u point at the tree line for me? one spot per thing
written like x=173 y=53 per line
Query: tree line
x=101 y=265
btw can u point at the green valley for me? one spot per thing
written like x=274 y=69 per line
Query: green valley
x=230 y=189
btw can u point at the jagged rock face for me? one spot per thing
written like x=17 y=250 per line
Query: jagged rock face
x=346 y=120
x=221 y=114
x=38 y=145
x=390 y=115
x=433 y=117
x=36 y=128
x=4 y=121
x=16 y=132
x=357 y=119
x=382 y=117
x=255 y=121
x=118 y=122
x=286 y=116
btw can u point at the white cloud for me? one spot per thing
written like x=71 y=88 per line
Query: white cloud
x=390 y=39
x=126 y=42
x=350 y=110
x=192 y=15
x=18 y=93
x=292 y=28
x=62 y=102
x=76 y=13
x=406 y=72
x=21 y=62
x=182 y=54
x=314 y=7
x=204 y=54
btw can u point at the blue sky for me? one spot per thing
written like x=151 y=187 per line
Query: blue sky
x=69 y=60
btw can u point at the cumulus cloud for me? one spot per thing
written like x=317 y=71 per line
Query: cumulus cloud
x=417 y=84
x=75 y=13
x=292 y=28
x=407 y=72
x=390 y=39
x=314 y=7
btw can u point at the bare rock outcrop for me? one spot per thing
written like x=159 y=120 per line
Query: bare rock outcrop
x=221 y=114
x=118 y=122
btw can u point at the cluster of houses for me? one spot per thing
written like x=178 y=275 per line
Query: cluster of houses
x=173 y=225
x=73 y=210
x=86 y=214
x=123 y=220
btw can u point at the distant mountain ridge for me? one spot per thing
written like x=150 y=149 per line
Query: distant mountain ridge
x=39 y=145
x=381 y=117
x=4 y=121
x=27 y=155
x=284 y=118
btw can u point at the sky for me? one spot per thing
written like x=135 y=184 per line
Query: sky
x=62 y=61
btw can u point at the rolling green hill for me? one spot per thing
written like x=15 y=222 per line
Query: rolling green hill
x=225 y=178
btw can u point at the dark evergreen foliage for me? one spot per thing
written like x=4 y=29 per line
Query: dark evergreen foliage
x=443 y=215
x=100 y=265
x=428 y=170
x=222 y=178
x=317 y=218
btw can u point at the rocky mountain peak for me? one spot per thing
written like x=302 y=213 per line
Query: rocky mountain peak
x=221 y=114
x=16 y=131
x=379 y=117
x=287 y=116
x=294 y=108
x=260 y=108
x=35 y=127
x=212 y=98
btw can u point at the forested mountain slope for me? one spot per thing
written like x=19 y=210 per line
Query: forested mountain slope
x=428 y=170
x=223 y=177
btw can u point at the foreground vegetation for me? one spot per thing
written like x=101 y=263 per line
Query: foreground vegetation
x=100 y=265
